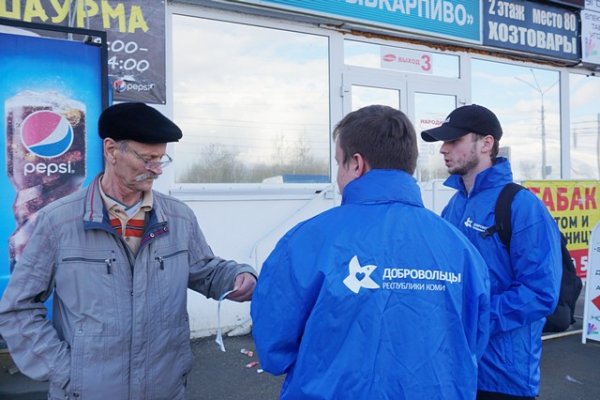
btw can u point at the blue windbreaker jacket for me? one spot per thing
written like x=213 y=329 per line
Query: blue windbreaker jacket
x=524 y=284
x=378 y=298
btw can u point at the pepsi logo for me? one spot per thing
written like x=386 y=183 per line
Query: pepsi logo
x=46 y=134
x=389 y=58
x=119 y=85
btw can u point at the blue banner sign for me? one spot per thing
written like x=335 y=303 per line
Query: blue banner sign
x=459 y=20
x=533 y=28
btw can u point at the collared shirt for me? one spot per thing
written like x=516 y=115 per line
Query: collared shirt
x=128 y=223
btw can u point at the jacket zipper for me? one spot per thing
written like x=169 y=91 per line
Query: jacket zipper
x=161 y=259
x=106 y=261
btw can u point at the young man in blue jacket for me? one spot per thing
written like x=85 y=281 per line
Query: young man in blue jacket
x=524 y=279
x=378 y=298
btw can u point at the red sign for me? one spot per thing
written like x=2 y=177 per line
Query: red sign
x=574 y=206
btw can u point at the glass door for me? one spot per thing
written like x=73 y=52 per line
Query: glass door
x=429 y=103
x=425 y=100
x=366 y=95
x=429 y=112
x=362 y=87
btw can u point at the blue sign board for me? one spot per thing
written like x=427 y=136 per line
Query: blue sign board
x=533 y=28
x=459 y=20
x=51 y=99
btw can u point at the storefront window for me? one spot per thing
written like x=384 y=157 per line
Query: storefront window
x=253 y=103
x=585 y=126
x=526 y=100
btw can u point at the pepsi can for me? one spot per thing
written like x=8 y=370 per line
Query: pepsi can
x=45 y=155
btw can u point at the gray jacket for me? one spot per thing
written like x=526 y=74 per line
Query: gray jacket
x=120 y=326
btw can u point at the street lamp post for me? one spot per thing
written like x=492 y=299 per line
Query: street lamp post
x=538 y=89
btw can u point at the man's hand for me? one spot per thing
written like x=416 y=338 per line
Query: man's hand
x=243 y=287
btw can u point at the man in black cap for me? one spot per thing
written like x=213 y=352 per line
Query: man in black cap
x=525 y=278
x=118 y=257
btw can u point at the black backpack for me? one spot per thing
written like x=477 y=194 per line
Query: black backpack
x=570 y=285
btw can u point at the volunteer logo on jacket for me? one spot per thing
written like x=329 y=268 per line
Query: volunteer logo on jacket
x=474 y=225
x=402 y=278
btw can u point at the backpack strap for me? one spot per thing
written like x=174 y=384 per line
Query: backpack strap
x=502 y=214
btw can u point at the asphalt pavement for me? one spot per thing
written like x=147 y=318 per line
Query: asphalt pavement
x=569 y=370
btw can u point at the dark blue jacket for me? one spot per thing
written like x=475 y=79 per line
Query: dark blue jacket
x=378 y=298
x=524 y=284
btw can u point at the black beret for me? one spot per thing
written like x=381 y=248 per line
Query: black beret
x=138 y=122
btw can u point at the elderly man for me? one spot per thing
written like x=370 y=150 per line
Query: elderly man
x=119 y=258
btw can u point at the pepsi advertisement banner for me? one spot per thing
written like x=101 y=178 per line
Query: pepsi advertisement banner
x=532 y=28
x=51 y=95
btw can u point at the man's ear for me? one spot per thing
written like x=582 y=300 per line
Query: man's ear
x=110 y=146
x=360 y=166
x=487 y=143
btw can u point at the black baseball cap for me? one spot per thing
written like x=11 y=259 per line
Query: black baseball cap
x=466 y=119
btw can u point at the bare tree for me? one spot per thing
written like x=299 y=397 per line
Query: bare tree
x=217 y=164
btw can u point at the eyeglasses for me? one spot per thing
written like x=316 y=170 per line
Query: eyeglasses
x=149 y=164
